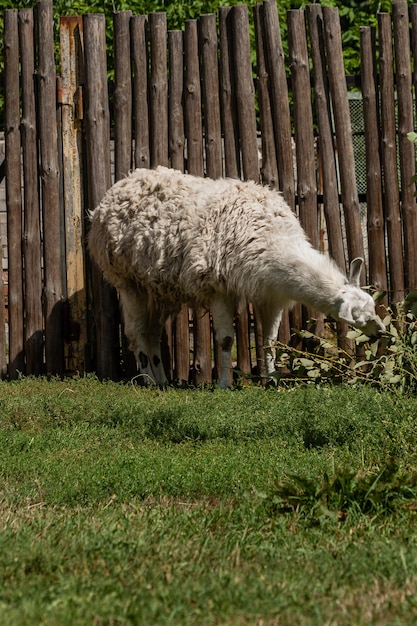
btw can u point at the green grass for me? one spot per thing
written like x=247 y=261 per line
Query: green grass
x=121 y=505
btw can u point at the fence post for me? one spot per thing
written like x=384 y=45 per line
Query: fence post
x=279 y=99
x=210 y=94
x=405 y=147
x=123 y=126
x=122 y=94
x=325 y=137
x=97 y=123
x=282 y=123
x=245 y=106
x=343 y=128
x=158 y=89
x=48 y=144
x=212 y=127
x=139 y=51
x=176 y=153
x=13 y=192
x=159 y=143
x=269 y=168
x=389 y=159
x=376 y=230
x=304 y=143
x=227 y=101
x=32 y=232
x=326 y=153
x=194 y=136
x=70 y=98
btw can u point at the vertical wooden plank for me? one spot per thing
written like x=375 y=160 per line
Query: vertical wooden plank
x=48 y=148
x=389 y=159
x=325 y=136
x=13 y=192
x=122 y=94
x=245 y=106
x=138 y=31
x=97 y=125
x=192 y=101
x=194 y=137
x=32 y=232
x=343 y=128
x=176 y=153
x=245 y=93
x=159 y=143
x=406 y=148
x=227 y=96
x=304 y=143
x=269 y=168
x=326 y=150
x=176 y=112
x=210 y=95
x=303 y=124
x=276 y=68
x=158 y=89
x=212 y=126
x=376 y=230
x=70 y=98
x=123 y=127
x=279 y=99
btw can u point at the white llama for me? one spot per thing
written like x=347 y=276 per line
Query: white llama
x=164 y=238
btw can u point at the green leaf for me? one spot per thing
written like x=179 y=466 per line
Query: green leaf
x=412 y=136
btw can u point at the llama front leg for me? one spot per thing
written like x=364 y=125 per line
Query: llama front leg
x=270 y=320
x=156 y=327
x=144 y=335
x=222 y=311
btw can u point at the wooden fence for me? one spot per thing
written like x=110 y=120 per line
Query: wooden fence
x=193 y=100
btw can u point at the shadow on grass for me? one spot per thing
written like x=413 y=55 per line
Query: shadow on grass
x=170 y=425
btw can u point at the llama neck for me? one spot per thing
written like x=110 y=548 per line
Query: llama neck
x=312 y=279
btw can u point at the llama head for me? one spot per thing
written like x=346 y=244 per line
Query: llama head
x=356 y=307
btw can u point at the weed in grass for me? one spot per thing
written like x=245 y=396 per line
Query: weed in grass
x=345 y=493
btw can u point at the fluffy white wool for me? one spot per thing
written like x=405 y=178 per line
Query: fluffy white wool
x=174 y=238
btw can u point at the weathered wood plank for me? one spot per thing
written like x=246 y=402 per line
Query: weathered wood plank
x=176 y=153
x=279 y=98
x=389 y=159
x=343 y=131
x=269 y=168
x=406 y=149
x=122 y=94
x=32 y=231
x=304 y=144
x=375 y=216
x=210 y=95
x=202 y=368
x=50 y=181
x=13 y=192
x=140 y=61
x=158 y=93
x=72 y=76
x=227 y=96
x=97 y=124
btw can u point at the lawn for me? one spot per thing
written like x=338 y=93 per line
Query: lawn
x=121 y=505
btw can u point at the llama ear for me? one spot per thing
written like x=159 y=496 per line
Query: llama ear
x=355 y=272
x=345 y=312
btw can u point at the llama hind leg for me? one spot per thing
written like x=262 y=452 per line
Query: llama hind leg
x=222 y=311
x=144 y=334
